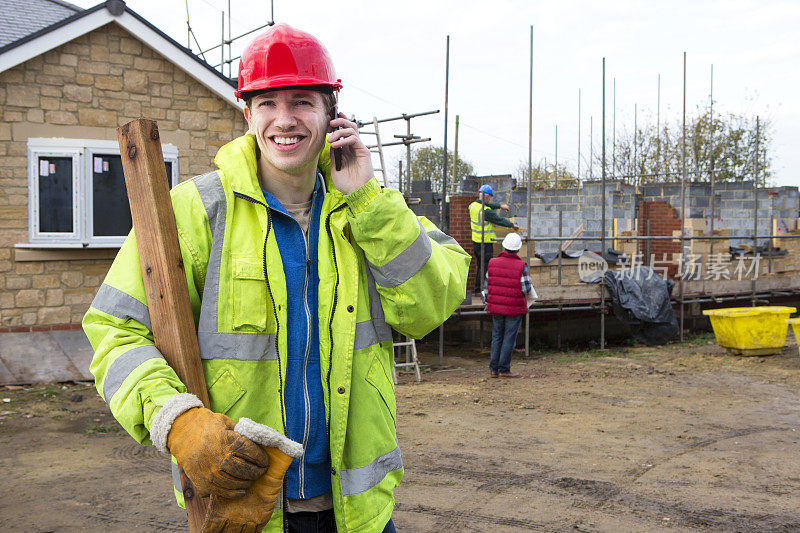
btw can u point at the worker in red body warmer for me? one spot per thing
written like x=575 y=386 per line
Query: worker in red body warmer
x=507 y=288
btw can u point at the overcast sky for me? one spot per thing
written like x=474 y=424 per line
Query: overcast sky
x=391 y=59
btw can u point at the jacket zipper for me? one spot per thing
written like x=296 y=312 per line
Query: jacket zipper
x=272 y=300
x=306 y=399
x=333 y=311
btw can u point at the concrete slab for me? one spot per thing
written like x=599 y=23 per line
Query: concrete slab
x=36 y=357
x=6 y=377
x=76 y=347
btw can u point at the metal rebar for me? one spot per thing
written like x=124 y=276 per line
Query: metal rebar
x=591 y=148
x=603 y=217
x=444 y=170
x=560 y=234
x=230 y=51
x=711 y=144
x=683 y=196
x=444 y=174
x=614 y=127
x=579 y=137
x=658 y=126
x=529 y=189
x=636 y=138
x=455 y=166
x=755 y=216
x=481 y=267
x=408 y=156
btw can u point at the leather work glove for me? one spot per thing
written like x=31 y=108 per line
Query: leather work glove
x=250 y=513
x=218 y=460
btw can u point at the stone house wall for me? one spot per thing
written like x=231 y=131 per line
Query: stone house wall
x=85 y=89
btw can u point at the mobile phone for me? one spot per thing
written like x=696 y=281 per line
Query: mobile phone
x=337 y=152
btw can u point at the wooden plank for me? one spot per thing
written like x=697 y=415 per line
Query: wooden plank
x=574 y=235
x=162 y=271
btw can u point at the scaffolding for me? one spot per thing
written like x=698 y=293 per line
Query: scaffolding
x=687 y=291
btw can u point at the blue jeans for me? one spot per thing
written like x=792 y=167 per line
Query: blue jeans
x=504 y=339
x=319 y=522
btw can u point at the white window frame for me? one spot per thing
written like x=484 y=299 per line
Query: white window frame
x=82 y=152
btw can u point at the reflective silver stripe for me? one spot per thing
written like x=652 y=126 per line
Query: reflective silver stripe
x=375 y=330
x=441 y=237
x=406 y=264
x=359 y=480
x=209 y=186
x=176 y=477
x=238 y=346
x=371 y=332
x=116 y=303
x=123 y=365
x=213 y=343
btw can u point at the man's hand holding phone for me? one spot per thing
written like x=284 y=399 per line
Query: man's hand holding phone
x=356 y=163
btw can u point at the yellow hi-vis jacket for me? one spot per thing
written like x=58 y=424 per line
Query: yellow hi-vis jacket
x=379 y=267
x=478 y=222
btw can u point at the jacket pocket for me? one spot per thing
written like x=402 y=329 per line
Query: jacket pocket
x=224 y=392
x=249 y=294
x=378 y=377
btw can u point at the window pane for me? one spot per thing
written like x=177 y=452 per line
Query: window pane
x=112 y=214
x=168 y=165
x=55 y=194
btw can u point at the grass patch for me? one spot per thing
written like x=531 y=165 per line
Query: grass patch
x=699 y=338
x=100 y=429
x=48 y=392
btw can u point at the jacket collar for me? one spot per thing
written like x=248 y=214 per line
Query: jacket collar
x=238 y=161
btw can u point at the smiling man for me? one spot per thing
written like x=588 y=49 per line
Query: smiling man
x=296 y=273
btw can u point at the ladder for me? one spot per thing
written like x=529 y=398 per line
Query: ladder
x=410 y=348
x=377 y=148
x=408 y=345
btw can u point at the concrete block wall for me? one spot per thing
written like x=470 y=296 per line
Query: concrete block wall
x=734 y=203
x=84 y=89
x=733 y=207
x=429 y=204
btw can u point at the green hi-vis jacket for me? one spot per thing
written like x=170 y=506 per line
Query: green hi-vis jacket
x=379 y=267
x=482 y=229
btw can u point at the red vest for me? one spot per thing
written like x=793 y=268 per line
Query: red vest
x=505 y=285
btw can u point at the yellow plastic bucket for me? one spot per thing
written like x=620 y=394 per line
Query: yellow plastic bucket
x=795 y=322
x=751 y=330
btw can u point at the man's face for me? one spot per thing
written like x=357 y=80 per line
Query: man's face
x=289 y=126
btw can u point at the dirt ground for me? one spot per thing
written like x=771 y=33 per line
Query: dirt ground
x=684 y=437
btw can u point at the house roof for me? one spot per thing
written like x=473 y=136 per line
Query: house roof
x=20 y=18
x=66 y=22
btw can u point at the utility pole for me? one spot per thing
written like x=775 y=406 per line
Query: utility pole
x=579 y=137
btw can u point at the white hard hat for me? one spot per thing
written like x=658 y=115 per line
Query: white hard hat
x=512 y=242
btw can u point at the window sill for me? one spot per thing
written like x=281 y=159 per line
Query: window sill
x=63 y=252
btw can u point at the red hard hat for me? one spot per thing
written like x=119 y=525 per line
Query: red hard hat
x=285 y=57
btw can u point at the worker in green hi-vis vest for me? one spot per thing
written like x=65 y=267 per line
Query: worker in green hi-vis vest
x=482 y=221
